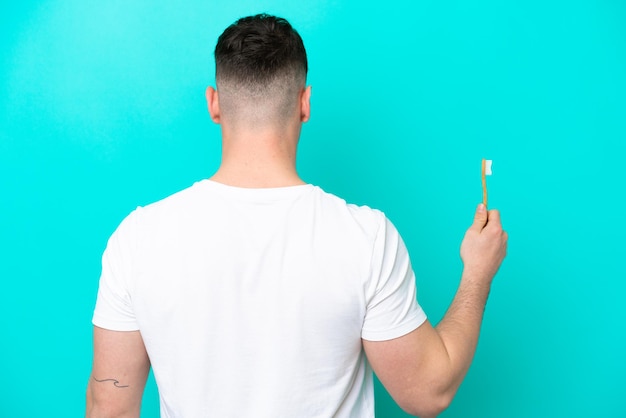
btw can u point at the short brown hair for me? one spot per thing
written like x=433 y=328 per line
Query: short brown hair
x=256 y=49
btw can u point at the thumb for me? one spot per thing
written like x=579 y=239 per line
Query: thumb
x=480 y=218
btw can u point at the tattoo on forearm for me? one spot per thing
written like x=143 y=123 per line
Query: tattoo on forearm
x=116 y=383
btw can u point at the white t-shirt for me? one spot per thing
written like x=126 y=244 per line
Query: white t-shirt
x=253 y=302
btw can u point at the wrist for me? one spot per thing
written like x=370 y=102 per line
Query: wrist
x=477 y=275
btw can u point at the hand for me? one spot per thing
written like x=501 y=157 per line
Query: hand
x=484 y=246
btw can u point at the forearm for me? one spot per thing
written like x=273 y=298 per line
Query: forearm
x=460 y=327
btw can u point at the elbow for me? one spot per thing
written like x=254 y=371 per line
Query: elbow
x=99 y=406
x=426 y=405
x=104 y=411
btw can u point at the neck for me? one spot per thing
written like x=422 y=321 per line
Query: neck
x=261 y=159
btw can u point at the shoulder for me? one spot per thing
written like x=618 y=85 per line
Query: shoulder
x=158 y=213
x=170 y=209
x=362 y=217
x=180 y=199
x=337 y=202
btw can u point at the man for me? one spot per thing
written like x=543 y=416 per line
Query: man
x=255 y=294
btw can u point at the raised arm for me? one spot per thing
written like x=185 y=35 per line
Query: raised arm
x=423 y=369
x=119 y=373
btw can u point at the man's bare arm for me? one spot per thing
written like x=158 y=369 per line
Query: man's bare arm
x=423 y=369
x=118 y=377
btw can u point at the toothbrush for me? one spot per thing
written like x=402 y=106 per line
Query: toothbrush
x=486 y=171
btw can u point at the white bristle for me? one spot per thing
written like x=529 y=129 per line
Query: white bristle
x=488 y=167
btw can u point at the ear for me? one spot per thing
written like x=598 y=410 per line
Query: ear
x=213 y=104
x=305 y=104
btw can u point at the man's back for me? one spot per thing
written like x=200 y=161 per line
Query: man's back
x=266 y=302
x=253 y=302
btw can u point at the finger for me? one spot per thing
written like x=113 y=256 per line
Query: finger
x=494 y=218
x=480 y=218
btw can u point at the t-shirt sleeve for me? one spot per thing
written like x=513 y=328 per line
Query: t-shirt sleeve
x=392 y=308
x=114 y=309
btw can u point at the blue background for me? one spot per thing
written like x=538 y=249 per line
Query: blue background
x=102 y=109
